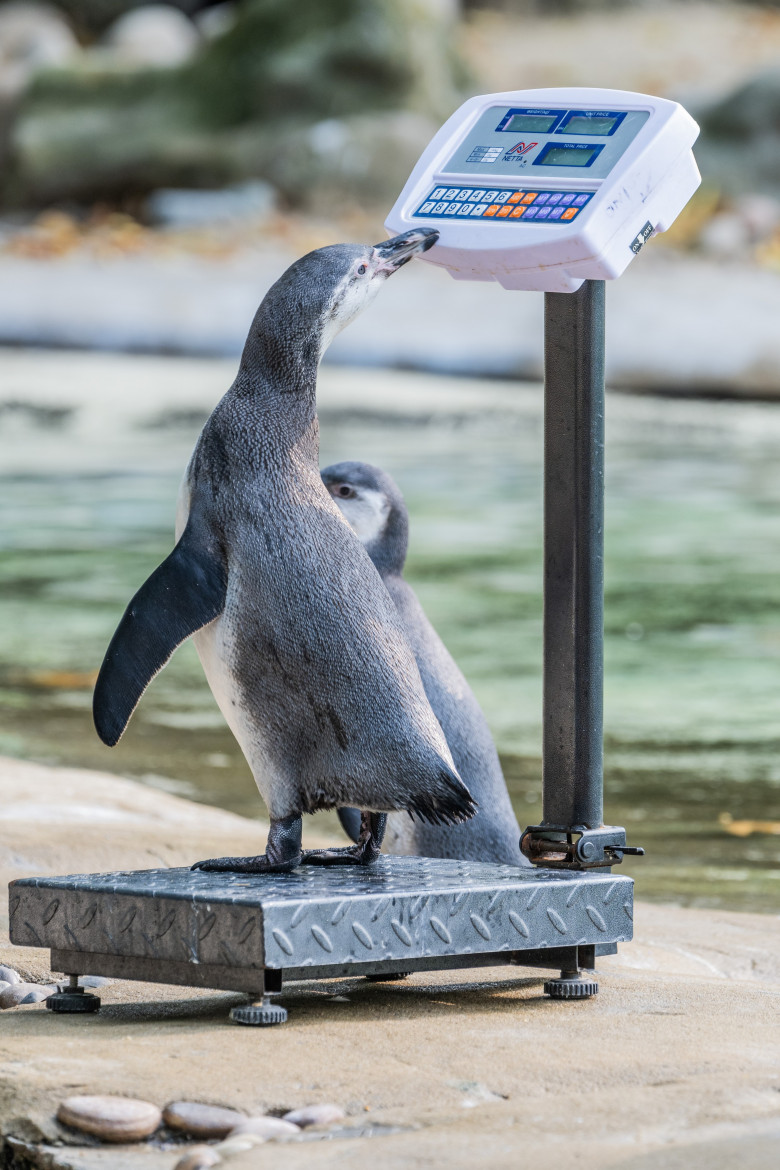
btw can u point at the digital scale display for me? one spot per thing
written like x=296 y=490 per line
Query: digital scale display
x=584 y=124
x=529 y=123
x=568 y=154
x=542 y=189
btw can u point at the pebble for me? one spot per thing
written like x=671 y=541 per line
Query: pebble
x=240 y=1144
x=18 y=993
x=8 y=975
x=206 y=1121
x=269 y=1128
x=198 y=1158
x=114 y=1119
x=315 y=1115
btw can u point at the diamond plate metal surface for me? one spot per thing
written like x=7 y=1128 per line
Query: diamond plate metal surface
x=401 y=907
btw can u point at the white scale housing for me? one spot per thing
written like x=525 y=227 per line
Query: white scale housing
x=543 y=189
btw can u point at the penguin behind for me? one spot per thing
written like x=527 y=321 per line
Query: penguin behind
x=299 y=639
x=372 y=503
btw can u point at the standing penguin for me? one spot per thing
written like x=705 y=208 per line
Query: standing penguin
x=372 y=503
x=300 y=641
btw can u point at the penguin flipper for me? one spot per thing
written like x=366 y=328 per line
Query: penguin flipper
x=183 y=594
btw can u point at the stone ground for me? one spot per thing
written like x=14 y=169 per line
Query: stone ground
x=674 y=1064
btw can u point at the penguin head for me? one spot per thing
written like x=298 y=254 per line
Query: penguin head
x=372 y=504
x=360 y=273
x=322 y=292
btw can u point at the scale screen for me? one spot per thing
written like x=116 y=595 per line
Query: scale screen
x=568 y=154
x=529 y=124
x=506 y=140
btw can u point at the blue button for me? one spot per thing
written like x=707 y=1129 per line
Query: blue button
x=556 y=212
x=542 y=198
x=543 y=212
x=581 y=200
x=530 y=213
x=566 y=200
x=554 y=198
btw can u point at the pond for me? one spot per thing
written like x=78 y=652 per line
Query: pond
x=93 y=450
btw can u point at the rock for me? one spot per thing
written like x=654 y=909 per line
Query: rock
x=8 y=975
x=114 y=1119
x=270 y=1129
x=187 y=209
x=16 y=994
x=245 y=100
x=315 y=1115
x=154 y=34
x=32 y=37
x=198 y=1158
x=215 y=22
x=206 y=1121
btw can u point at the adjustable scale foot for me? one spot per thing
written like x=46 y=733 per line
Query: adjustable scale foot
x=571 y=985
x=260 y=1014
x=73 y=999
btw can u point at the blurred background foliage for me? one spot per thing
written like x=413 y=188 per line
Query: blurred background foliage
x=323 y=99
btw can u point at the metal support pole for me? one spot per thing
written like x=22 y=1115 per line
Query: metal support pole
x=573 y=557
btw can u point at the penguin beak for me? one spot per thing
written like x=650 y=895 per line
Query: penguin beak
x=395 y=252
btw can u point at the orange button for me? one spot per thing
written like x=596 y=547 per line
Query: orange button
x=529 y=198
x=570 y=213
x=517 y=211
x=494 y=207
x=515 y=197
x=504 y=212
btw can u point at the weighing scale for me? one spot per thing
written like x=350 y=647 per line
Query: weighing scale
x=552 y=190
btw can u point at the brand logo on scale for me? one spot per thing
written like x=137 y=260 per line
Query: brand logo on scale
x=519 y=149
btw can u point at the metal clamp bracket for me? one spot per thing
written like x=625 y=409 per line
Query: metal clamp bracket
x=575 y=846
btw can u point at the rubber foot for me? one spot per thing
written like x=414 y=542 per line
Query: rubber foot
x=73 y=1001
x=578 y=988
x=388 y=978
x=259 y=1015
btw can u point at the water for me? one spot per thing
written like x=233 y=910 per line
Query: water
x=91 y=465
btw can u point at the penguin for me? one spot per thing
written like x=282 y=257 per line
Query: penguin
x=300 y=642
x=373 y=504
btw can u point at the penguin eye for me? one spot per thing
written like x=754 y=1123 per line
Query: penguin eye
x=362 y=270
x=345 y=491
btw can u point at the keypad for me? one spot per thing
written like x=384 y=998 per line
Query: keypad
x=559 y=207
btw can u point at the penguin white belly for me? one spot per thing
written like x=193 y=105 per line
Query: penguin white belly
x=214 y=645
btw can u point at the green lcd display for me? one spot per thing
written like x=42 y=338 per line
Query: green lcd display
x=531 y=123
x=568 y=156
x=582 y=125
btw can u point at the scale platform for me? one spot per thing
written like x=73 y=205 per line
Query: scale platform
x=253 y=933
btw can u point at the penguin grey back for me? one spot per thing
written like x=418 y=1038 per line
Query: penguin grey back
x=373 y=504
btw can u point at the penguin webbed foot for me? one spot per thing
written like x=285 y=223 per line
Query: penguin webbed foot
x=349 y=855
x=260 y=864
x=282 y=852
x=364 y=852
